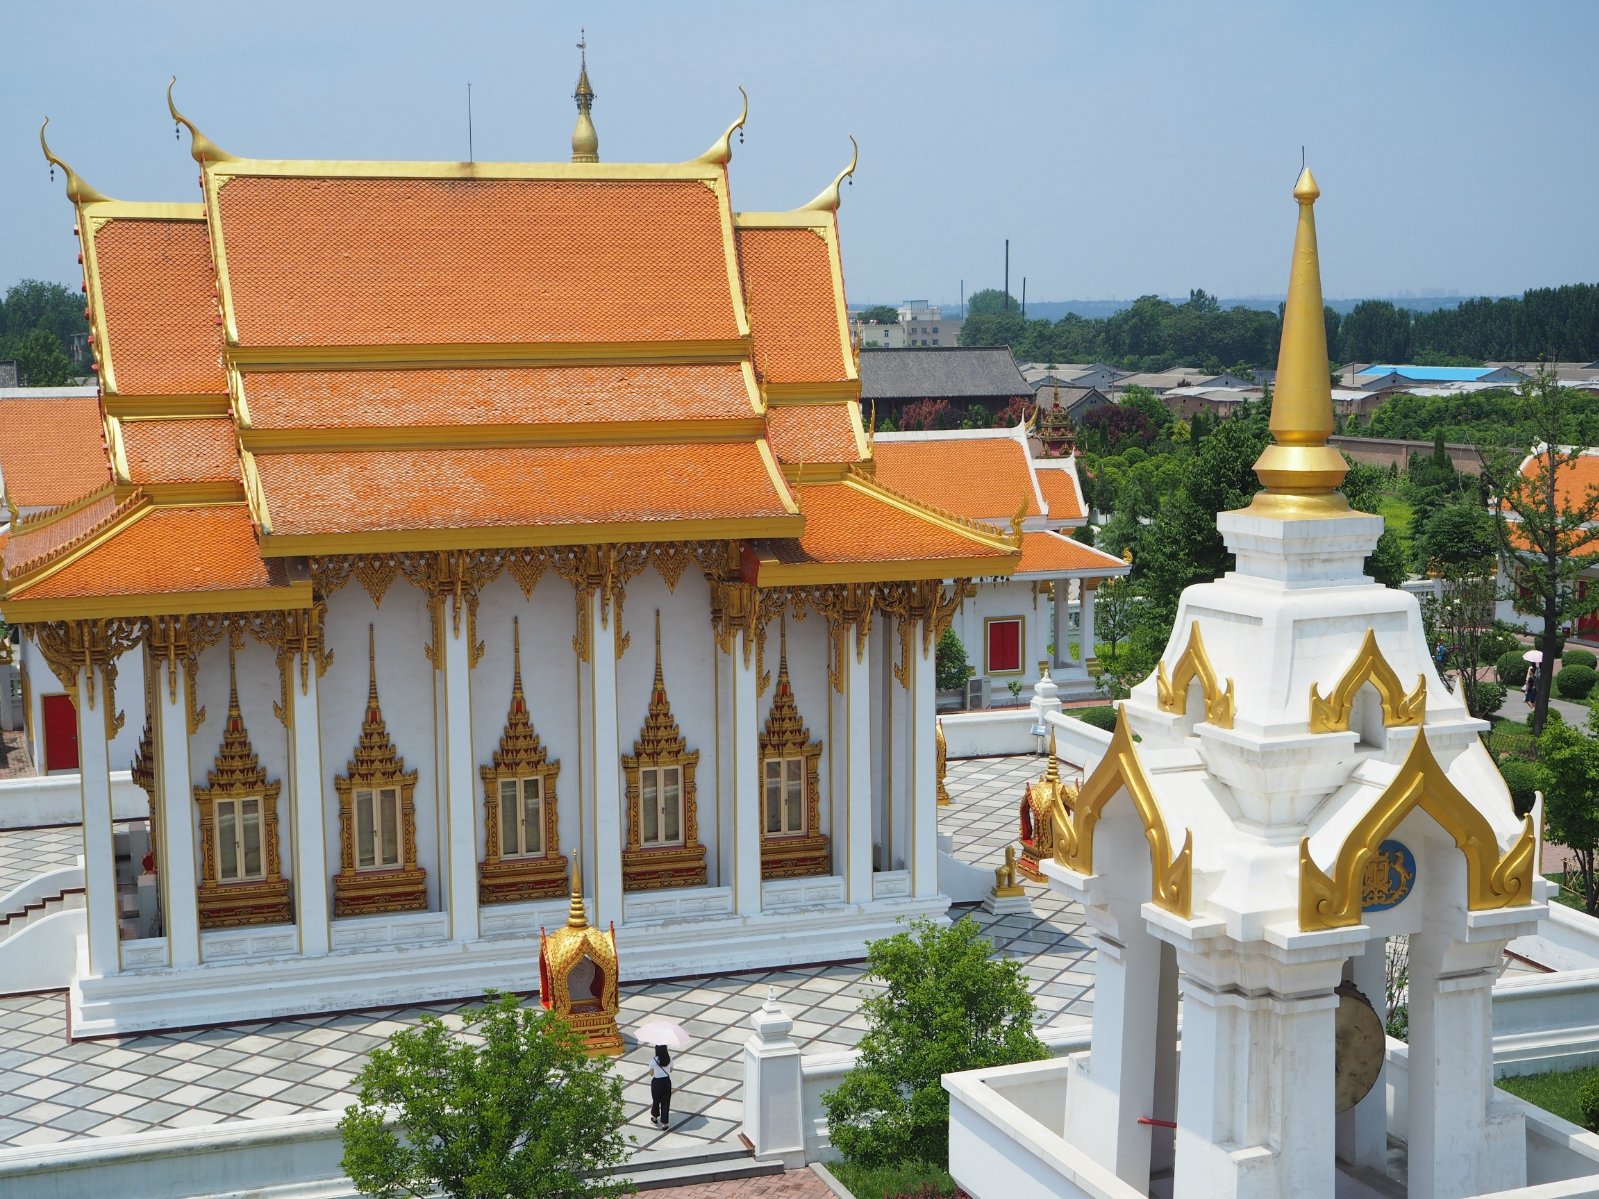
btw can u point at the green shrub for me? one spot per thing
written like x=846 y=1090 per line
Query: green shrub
x=1513 y=668
x=1579 y=657
x=1103 y=717
x=1495 y=644
x=1575 y=682
x=1490 y=698
x=1588 y=1104
x=1523 y=778
x=914 y=1179
x=950 y=666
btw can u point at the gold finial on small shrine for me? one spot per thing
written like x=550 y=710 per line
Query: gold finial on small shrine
x=585 y=141
x=576 y=914
x=201 y=148
x=1052 y=767
x=78 y=191
x=1300 y=471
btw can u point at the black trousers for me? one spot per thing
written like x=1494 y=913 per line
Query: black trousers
x=660 y=1099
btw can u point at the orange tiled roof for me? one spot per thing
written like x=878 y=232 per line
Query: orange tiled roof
x=1571 y=481
x=1053 y=553
x=180 y=451
x=390 y=490
x=1060 y=494
x=845 y=522
x=793 y=312
x=52 y=451
x=980 y=478
x=159 y=321
x=812 y=433
x=167 y=550
x=496 y=395
x=45 y=535
x=318 y=261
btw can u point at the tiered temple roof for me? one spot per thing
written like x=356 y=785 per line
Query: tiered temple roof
x=355 y=357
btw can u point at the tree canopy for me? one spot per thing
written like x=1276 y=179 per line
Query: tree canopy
x=880 y=314
x=38 y=321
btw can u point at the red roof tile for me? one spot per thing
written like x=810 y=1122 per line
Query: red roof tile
x=793 y=310
x=1053 y=552
x=980 y=478
x=52 y=451
x=44 y=536
x=1060 y=494
x=813 y=433
x=180 y=451
x=845 y=522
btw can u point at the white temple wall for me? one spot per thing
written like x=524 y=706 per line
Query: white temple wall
x=1003 y=599
x=546 y=623
x=406 y=685
x=42 y=681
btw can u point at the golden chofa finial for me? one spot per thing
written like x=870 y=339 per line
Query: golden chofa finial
x=830 y=197
x=585 y=141
x=721 y=151
x=1300 y=471
x=201 y=148
x=78 y=191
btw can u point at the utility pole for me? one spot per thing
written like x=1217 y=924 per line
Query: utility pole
x=1024 y=297
x=1007 y=274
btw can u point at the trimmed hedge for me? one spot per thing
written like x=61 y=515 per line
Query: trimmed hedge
x=1522 y=778
x=1100 y=718
x=1588 y=1104
x=1576 y=682
x=1512 y=668
x=1579 y=657
x=1495 y=644
x=1490 y=698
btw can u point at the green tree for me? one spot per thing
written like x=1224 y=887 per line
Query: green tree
x=1115 y=613
x=41 y=362
x=1375 y=331
x=1547 y=525
x=1570 y=762
x=951 y=668
x=991 y=301
x=33 y=304
x=1455 y=535
x=947 y=1005
x=510 y=1106
x=881 y=314
x=1364 y=487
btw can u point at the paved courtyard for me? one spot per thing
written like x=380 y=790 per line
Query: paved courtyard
x=52 y=1089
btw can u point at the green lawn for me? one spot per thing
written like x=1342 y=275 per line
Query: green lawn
x=1555 y=1093
x=1397 y=515
x=911 y=1180
x=1564 y=896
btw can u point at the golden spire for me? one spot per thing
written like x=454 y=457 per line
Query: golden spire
x=1300 y=471
x=577 y=915
x=721 y=151
x=201 y=148
x=829 y=198
x=78 y=191
x=585 y=142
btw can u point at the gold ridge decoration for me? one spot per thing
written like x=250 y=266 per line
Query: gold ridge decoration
x=1120 y=771
x=1171 y=691
x=661 y=745
x=1036 y=824
x=237 y=774
x=201 y=148
x=829 y=197
x=1493 y=880
x=376 y=767
x=721 y=150
x=578 y=971
x=519 y=758
x=803 y=853
x=68 y=646
x=18 y=569
x=78 y=191
x=1331 y=715
x=1009 y=536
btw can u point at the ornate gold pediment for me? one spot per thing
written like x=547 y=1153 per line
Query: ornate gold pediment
x=1331 y=715
x=1120 y=770
x=1171 y=691
x=1492 y=880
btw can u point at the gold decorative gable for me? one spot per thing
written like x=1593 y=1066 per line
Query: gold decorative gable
x=1492 y=880
x=661 y=744
x=520 y=758
x=237 y=774
x=1120 y=770
x=376 y=767
x=1171 y=691
x=785 y=737
x=1331 y=715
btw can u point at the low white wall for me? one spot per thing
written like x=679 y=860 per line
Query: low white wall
x=1566 y=940
x=43 y=954
x=41 y=886
x=1009 y=731
x=1077 y=741
x=1546 y=1022
x=58 y=799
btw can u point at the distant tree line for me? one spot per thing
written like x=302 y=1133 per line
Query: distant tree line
x=37 y=324
x=1557 y=323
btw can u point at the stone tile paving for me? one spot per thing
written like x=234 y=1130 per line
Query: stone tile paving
x=30 y=851
x=52 y=1089
x=15 y=761
x=793 y=1184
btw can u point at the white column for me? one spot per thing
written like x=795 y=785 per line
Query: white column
x=179 y=876
x=608 y=793
x=855 y=853
x=922 y=793
x=1062 y=661
x=99 y=848
x=460 y=790
x=1086 y=624
x=774 y=1108
x=312 y=874
x=745 y=707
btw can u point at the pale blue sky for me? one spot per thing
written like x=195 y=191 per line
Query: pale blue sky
x=1124 y=147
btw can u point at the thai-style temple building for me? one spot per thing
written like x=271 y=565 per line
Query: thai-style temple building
x=457 y=517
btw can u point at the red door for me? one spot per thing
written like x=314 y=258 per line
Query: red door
x=60 y=733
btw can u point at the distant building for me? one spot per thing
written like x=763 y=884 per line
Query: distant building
x=921 y=325
x=1380 y=377
x=8 y=374
x=891 y=379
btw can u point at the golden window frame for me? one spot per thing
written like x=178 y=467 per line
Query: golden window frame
x=792 y=855
x=1021 y=646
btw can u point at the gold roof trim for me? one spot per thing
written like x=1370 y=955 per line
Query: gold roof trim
x=78 y=191
x=201 y=148
x=1492 y=880
x=829 y=198
x=1171 y=691
x=1120 y=770
x=720 y=152
x=1331 y=715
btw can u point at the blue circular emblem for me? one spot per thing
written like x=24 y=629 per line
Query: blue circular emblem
x=1388 y=877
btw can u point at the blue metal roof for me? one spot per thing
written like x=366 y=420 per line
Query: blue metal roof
x=1432 y=374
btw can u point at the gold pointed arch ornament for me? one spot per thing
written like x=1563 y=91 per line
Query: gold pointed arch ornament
x=1331 y=715
x=1171 y=690
x=1493 y=880
x=1171 y=875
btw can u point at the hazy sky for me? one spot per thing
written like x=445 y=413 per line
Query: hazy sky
x=1124 y=147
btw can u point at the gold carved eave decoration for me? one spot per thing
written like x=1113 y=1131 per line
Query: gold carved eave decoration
x=1331 y=715
x=1118 y=771
x=1171 y=690
x=845 y=606
x=1493 y=880
x=91 y=646
x=295 y=635
x=926 y=602
x=177 y=642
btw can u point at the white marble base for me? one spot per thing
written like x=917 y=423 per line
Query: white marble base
x=1008 y=905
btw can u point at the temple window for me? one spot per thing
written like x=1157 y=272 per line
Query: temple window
x=1002 y=637
x=521 y=817
x=377 y=828
x=792 y=843
x=661 y=805
x=238 y=840
x=785 y=797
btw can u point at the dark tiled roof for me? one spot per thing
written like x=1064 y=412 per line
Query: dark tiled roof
x=946 y=372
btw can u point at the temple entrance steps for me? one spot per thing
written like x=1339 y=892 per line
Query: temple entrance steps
x=14 y=921
x=652 y=1170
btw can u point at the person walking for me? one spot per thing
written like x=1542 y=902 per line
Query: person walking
x=1530 y=694
x=660 y=1087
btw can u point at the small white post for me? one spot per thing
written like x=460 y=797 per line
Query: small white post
x=774 y=1115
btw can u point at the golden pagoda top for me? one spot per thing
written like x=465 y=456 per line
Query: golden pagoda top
x=1300 y=471
x=585 y=141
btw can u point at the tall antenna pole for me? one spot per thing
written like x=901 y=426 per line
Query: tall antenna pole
x=470 y=154
x=1024 y=297
x=1007 y=274
x=963 y=299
